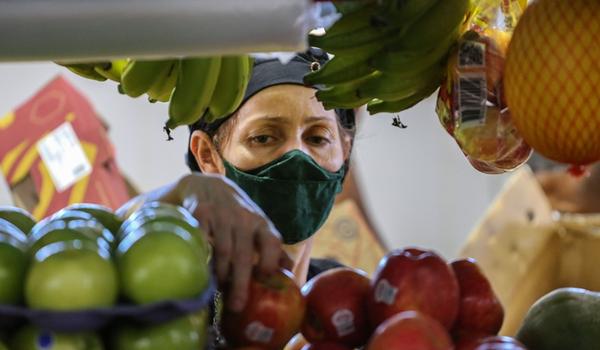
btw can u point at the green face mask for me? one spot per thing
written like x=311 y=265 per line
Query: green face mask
x=294 y=191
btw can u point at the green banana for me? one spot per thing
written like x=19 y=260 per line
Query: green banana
x=85 y=70
x=194 y=90
x=389 y=87
x=163 y=87
x=443 y=18
x=139 y=76
x=379 y=106
x=360 y=18
x=341 y=69
x=231 y=86
x=345 y=95
x=348 y=43
x=401 y=11
x=349 y=7
x=112 y=70
x=414 y=60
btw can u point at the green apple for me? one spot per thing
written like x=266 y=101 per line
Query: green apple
x=71 y=275
x=8 y=229
x=161 y=262
x=101 y=213
x=161 y=212
x=69 y=214
x=59 y=230
x=18 y=217
x=153 y=210
x=13 y=266
x=2 y=346
x=33 y=338
x=179 y=334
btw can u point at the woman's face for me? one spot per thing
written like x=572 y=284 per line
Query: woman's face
x=280 y=119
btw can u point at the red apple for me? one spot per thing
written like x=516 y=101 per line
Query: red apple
x=336 y=307
x=410 y=330
x=326 y=346
x=480 y=310
x=413 y=279
x=273 y=314
x=495 y=343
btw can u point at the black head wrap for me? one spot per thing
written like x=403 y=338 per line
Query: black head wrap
x=269 y=72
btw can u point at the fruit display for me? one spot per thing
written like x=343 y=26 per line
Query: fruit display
x=566 y=318
x=471 y=101
x=73 y=277
x=387 y=54
x=415 y=301
x=188 y=84
x=551 y=80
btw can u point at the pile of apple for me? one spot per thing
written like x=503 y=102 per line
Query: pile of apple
x=415 y=301
x=85 y=257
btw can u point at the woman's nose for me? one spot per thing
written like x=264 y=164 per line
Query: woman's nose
x=295 y=143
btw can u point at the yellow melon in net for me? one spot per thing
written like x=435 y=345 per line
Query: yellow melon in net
x=552 y=79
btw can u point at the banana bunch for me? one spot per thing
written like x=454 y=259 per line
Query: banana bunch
x=188 y=84
x=388 y=54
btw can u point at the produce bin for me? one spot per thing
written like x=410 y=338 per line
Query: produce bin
x=527 y=250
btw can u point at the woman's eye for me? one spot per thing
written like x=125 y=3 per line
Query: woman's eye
x=318 y=140
x=261 y=139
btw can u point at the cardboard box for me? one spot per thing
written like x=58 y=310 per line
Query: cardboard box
x=346 y=237
x=32 y=180
x=527 y=250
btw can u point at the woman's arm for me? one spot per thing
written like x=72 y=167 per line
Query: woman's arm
x=237 y=227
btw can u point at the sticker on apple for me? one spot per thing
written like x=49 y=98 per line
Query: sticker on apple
x=385 y=292
x=257 y=332
x=343 y=321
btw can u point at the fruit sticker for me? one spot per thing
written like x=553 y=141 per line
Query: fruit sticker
x=343 y=320
x=45 y=341
x=259 y=333
x=385 y=292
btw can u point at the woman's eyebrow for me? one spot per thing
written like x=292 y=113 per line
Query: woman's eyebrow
x=317 y=118
x=269 y=118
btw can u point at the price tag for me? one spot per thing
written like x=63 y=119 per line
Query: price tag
x=63 y=155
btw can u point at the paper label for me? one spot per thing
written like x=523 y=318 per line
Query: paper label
x=385 y=292
x=63 y=155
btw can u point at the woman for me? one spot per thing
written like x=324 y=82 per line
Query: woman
x=280 y=154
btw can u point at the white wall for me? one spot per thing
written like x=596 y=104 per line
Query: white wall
x=418 y=187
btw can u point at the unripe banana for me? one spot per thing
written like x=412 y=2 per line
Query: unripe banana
x=411 y=61
x=389 y=87
x=342 y=69
x=112 y=70
x=443 y=18
x=231 y=86
x=85 y=70
x=345 y=95
x=194 y=89
x=163 y=87
x=139 y=76
x=379 y=106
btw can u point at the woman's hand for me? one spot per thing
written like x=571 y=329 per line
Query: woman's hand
x=239 y=230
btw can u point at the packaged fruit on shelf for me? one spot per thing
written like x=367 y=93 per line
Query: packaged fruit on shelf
x=471 y=101
x=82 y=270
